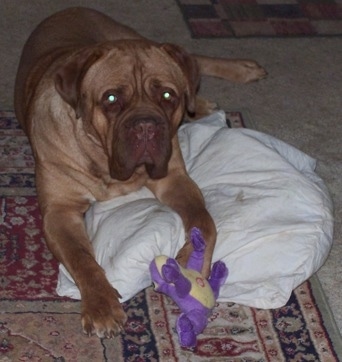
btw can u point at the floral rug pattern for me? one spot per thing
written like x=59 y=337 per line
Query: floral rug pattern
x=37 y=325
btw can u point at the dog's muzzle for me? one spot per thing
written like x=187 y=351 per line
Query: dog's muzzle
x=143 y=140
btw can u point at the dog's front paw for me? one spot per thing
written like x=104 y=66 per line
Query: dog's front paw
x=102 y=314
x=250 y=71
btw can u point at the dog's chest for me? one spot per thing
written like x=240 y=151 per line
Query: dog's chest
x=105 y=188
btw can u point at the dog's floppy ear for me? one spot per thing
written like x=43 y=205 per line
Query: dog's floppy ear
x=190 y=69
x=68 y=78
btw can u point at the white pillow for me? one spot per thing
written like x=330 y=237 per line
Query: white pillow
x=273 y=215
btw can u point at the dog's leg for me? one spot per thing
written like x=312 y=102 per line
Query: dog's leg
x=186 y=199
x=180 y=192
x=234 y=70
x=203 y=108
x=101 y=311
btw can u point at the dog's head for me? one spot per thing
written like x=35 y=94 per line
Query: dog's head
x=131 y=96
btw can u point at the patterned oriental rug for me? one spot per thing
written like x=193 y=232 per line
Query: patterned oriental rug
x=37 y=325
x=255 y=18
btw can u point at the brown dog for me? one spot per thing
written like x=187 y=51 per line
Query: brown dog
x=101 y=106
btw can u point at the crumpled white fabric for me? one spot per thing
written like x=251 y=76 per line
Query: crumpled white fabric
x=273 y=215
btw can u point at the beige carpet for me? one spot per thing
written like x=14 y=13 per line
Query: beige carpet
x=300 y=101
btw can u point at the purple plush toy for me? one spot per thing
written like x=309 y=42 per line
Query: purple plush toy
x=194 y=295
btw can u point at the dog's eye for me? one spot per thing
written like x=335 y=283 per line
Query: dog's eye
x=167 y=96
x=111 y=98
x=111 y=101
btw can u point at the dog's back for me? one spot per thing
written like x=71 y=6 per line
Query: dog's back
x=70 y=28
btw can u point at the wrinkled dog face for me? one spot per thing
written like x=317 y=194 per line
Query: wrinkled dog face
x=132 y=99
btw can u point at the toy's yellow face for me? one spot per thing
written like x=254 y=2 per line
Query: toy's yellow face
x=200 y=288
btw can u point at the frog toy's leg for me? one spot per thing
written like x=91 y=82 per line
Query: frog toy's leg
x=196 y=259
x=218 y=276
x=173 y=276
x=185 y=331
x=189 y=325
